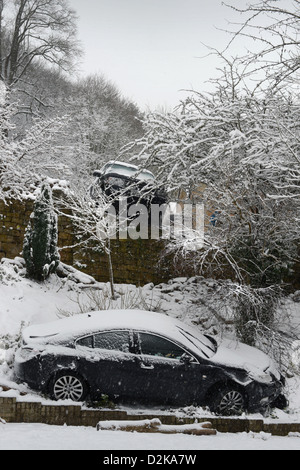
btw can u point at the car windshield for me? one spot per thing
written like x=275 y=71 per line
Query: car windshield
x=127 y=170
x=207 y=347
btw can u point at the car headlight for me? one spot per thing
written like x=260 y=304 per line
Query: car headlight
x=26 y=354
x=262 y=376
x=135 y=192
x=114 y=181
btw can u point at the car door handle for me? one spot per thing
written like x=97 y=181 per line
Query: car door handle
x=144 y=366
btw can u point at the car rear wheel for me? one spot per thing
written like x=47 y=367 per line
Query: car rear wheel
x=228 y=401
x=68 y=386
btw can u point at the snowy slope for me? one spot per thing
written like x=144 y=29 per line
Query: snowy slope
x=24 y=302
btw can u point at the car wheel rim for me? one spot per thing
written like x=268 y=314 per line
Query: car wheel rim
x=68 y=387
x=232 y=402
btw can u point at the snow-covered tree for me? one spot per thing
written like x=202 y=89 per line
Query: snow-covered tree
x=93 y=222
x=102 y=119
x=40 y=241
x=270 y=28
x=10 y=175
x=25 y=162
x=36 y=30
x=38 y=48
x=242 y=150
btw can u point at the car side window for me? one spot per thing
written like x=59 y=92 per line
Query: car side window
x=154 y=345
x=112 y=340
x=87 y=341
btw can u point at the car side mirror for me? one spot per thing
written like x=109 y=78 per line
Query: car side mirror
x=186 y=358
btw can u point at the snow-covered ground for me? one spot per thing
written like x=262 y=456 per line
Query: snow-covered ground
x=43 y=437
x=24 y=302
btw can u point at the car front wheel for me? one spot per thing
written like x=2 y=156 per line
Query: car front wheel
x=68 y=386
x=228 y=401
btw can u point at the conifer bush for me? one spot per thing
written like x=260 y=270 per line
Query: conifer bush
x=40 y=241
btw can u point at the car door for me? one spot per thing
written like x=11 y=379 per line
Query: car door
x=167 y=373
x=107 y=362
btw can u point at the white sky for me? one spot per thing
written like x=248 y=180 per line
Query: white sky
x=151 y=49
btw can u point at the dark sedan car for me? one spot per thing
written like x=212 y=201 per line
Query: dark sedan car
x=144 y=357
x=120 y=179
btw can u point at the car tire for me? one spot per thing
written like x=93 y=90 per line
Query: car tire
x=281 y=402
x=228 y=401
x=67 y=385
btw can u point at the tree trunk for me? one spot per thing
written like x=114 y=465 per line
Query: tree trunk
x=110 y=270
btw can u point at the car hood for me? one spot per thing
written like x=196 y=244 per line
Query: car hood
x=232 y=353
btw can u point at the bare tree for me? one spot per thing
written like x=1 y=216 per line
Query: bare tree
x=271 y=31
x=91 y=222
x=42 y=30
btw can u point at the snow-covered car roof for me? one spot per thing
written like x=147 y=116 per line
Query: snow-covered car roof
x=88 y=323
x=125 y=169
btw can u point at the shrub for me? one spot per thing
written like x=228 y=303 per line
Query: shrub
x=40 y=241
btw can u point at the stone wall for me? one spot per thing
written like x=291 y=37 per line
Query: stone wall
x=134 y=261
x=14 y=218
x=21 y=410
